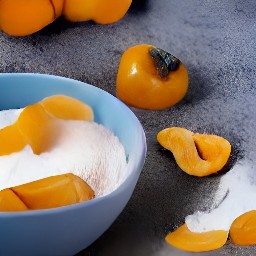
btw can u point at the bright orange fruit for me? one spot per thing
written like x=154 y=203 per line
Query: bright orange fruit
x=100 y=11
x=196 y=154
x=10 y=202
x=150 y=78
x=50 y=192
x=243 y=229
x=54 y=191
x=36 y=125
x=11 y=140
x=68 y=108
x=182 y=238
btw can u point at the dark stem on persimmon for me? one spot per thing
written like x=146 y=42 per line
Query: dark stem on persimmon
x=164 y=61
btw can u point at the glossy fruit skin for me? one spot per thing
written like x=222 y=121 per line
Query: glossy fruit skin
x=139 y=85
x=182 y=238
x=243 y=229
x=25 y=17
x=100 y=11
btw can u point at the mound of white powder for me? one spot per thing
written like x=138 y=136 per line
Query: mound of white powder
x=84 y=148
x=238 y=190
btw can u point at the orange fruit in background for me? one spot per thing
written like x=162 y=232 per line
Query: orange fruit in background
x=182 y=238
x=25 y=17
x=150 y=78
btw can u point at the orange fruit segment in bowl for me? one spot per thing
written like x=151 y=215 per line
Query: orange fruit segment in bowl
x=10 y=202
x=243 y=229
x=50 y=192
x=11 y=140
x=36 y=125
x=182 y=238
x=64 y=107
x=37 y=128
x=196 y=154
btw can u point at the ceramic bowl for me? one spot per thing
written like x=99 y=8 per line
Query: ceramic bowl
x=68 y=230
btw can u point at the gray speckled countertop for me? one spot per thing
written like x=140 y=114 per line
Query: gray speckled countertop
x=216 y=40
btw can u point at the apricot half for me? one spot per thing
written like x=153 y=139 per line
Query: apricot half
x=196 y=154
x=182 y=238
x=243 y=229
x=50 y=192
x=36 y=125
x=150 y=78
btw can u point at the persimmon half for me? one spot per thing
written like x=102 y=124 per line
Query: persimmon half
x=150 y=78
x=184 y=239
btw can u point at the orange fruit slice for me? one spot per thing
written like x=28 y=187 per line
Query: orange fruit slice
x=196 y=154
x=50 y=192
x=36 y=125
x=182 y=238
x=68 y=108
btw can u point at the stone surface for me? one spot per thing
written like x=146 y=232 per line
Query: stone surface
x=216 y=41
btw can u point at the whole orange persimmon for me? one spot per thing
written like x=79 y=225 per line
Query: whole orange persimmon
x=150 y=78
x=25 y=17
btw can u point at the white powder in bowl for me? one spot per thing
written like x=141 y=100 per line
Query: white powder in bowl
x=238 y=188
x=84 y=148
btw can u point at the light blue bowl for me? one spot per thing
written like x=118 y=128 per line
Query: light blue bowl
x=68 y=230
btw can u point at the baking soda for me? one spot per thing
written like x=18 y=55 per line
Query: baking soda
x=236 y=193
x=86 y=149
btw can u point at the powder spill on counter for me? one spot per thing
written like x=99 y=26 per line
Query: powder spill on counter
x=238 y=190
x=84 y=148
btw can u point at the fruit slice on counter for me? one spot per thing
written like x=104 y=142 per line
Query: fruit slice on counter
x=37 y=124
x=196 y=154
x=100 y=11
x=182 y=238
x=243 y=229
x=50 y=192
x=151 y=78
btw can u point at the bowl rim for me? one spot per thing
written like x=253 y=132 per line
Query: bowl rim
x=113 y=194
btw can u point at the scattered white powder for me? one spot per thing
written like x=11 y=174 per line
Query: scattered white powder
x=238 y=188
x=84 y=148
